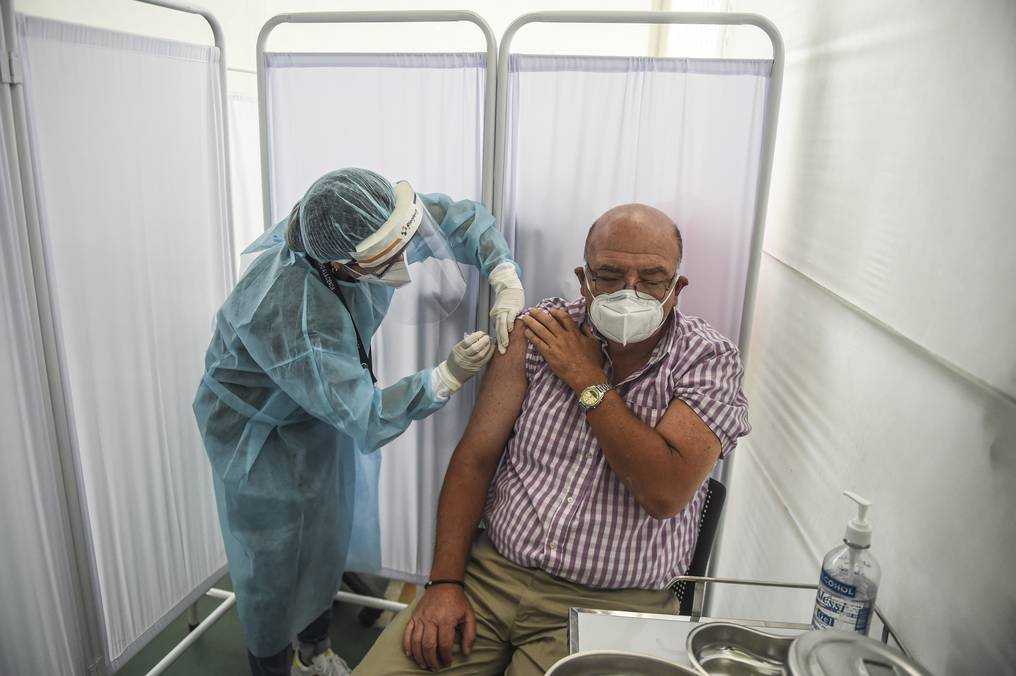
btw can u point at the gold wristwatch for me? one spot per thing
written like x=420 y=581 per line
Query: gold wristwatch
x=591 y=397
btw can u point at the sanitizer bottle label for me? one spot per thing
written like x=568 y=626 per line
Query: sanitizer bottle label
x=837 y=606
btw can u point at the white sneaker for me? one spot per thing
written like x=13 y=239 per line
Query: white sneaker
x=325 y=664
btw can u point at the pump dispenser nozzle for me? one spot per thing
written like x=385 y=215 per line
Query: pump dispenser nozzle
x=858 y=529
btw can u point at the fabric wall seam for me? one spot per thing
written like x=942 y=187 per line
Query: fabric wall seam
x=911 y=343
x=813 y=549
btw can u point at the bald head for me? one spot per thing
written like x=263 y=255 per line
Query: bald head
x=636 y=248
x=636 y=228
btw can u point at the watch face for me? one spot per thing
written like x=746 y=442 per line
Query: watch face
x=589 y=397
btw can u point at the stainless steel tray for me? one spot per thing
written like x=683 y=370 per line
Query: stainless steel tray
x=698 y=586
x=666 y=635
x=616 y=663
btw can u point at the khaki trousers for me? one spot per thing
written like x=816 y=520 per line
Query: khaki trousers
x=521 y=619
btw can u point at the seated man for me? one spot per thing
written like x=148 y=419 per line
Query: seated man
x=610 y=412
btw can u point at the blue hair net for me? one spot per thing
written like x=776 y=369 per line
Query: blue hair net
x=340 y=210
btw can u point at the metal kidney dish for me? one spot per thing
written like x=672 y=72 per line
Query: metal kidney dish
x=616 y=663
x=727 y=649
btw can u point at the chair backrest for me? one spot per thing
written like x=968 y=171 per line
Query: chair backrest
x=716 y=495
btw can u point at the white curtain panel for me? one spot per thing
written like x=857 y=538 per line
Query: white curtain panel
x=417 y=117
x=39 y=630
x=128 y=153
x=589 y=133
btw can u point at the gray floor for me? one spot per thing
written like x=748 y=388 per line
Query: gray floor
x=221 y=649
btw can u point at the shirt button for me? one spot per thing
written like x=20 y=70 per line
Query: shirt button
x=570 y=499
x=553 y=546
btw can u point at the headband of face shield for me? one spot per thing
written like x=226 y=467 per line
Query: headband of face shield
x=409 y=253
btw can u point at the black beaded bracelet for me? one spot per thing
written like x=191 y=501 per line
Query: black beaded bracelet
x=431 y=583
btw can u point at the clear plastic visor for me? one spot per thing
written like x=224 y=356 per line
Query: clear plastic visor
x=437 y=281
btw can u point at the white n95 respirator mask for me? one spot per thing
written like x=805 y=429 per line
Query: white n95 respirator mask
x=625 y=318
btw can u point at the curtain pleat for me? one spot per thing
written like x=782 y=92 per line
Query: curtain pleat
x=127 y=147
x=415 y=117
x=39 y=629
x=589 y=133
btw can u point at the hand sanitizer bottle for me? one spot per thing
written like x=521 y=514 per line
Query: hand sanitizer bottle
x=850 y=578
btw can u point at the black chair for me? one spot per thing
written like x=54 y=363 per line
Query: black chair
x=358 y=584
x=716 y=495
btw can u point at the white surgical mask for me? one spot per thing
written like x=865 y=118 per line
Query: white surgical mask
x=625 y=318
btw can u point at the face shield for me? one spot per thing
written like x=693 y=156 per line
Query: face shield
x=410 y=244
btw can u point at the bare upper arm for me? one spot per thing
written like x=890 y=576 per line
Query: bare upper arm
x=688 y=435
x=499 y=402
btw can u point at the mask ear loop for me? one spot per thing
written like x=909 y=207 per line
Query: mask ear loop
x=586 y=275
x=673 y=286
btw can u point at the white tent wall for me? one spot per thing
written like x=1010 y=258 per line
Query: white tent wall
x=882 y=354
x=121 y=127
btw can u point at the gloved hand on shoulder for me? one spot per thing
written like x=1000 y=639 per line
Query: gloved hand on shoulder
x=509 y=299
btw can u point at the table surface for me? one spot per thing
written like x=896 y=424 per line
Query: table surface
x=647 y=633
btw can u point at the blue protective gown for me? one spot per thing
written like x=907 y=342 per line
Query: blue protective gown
x=289 y=419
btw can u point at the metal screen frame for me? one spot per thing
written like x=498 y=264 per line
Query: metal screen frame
x=206 y=588
x=219 y=40
x=487 y=180
x=14 y=115
x=495 y=108
x=13 y=110
x=488 y=151
x=228 y=599
x=771 y=116
x=413 y=16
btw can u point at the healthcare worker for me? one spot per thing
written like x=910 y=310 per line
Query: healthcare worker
x=288 y=405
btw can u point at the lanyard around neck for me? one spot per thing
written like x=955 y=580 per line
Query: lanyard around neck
x=328 y=277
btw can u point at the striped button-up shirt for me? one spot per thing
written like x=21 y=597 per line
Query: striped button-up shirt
x=555 y=503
